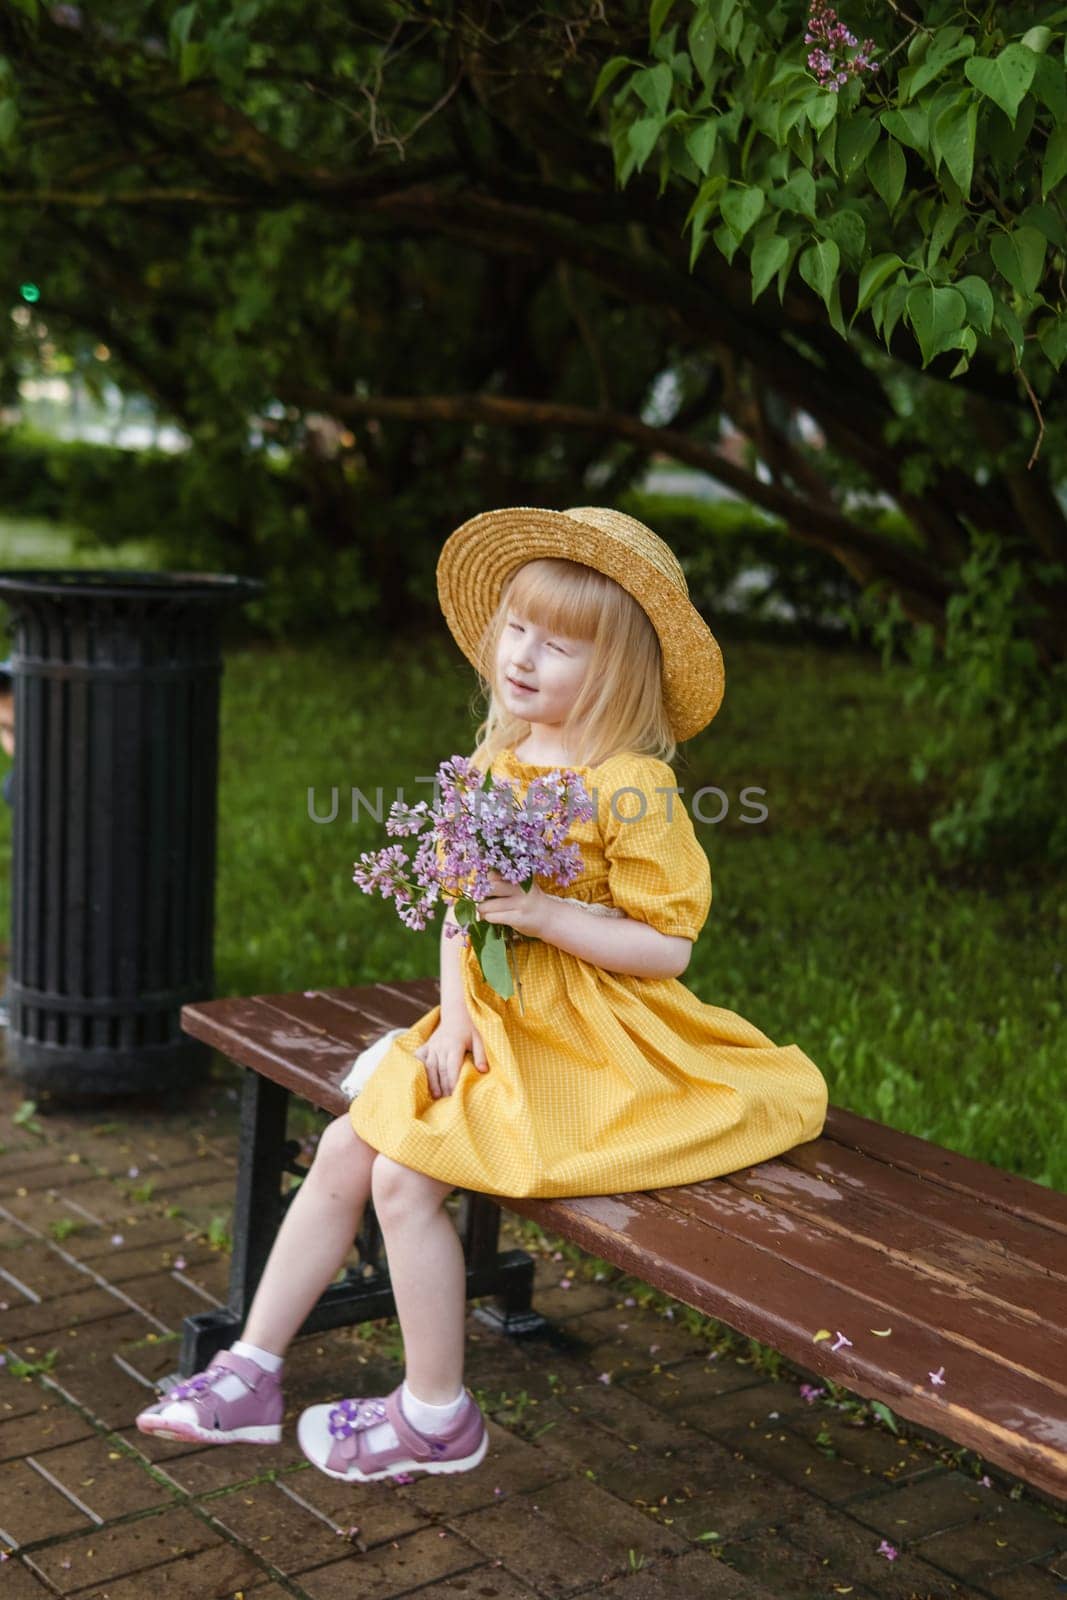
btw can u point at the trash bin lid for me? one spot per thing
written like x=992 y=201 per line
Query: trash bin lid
x=127 y=584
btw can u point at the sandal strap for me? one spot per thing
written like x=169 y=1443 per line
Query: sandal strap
x=200 y=1390
x=352 y=1448
x=249 y=1371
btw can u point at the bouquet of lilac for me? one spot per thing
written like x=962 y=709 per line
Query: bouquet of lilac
x=476 y=826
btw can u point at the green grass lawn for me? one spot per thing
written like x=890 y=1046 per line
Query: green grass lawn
x=931 y=998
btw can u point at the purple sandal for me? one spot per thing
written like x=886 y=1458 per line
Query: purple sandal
x=334 y=1439
x=195 y=1410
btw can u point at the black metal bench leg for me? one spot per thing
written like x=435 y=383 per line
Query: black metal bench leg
x=510 y=1309
x=256 y=1215
x=364 y=1294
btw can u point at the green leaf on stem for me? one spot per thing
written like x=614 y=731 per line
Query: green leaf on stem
x=768 y=256
x=934 y=313
x=1005 y=78
x=818 y=267
x=1020 y=256
x=493 y=959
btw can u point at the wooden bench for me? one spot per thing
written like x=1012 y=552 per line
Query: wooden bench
x=862 y=1229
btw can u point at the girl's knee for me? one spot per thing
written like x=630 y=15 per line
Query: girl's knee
x=396 y=1188
x=340 y=1149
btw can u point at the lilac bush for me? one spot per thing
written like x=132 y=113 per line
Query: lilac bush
x=475 y=826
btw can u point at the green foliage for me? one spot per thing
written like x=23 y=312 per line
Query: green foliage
x=928 y=196
x=259 y=290
x=218 y=1233
x=741 y=563
x=276 y=229
x=260 y=526
x=882 y=1411
x=31 y=1369
x=63 y=1227
x=24 y=1116
x=1011 y=804
x=736 y=558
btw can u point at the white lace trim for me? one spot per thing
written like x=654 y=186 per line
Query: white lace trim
x=587 y=905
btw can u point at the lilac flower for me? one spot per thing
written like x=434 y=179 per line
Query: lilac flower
x=840 y=1340
x=476 y=827
x=406 y=819
x=832 y=67
x=888 y=1550
x=937 y=1377
x=810 y=1392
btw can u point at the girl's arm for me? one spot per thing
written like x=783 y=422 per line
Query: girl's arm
x=453 y=1002
x=618 y=944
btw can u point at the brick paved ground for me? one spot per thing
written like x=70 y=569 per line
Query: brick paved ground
x=635 y=1453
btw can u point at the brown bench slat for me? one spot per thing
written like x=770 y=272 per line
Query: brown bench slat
x=763 y=1296
x=927 y=1197
x=354 y=1027
x=923 y=1242
x=890 y=1287
x=987 y=1185
x=257 y=1036
x=379 y=1004
x=419 y=994
x=307 y=1043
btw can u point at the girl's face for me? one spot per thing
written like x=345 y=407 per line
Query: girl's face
x=539 y=674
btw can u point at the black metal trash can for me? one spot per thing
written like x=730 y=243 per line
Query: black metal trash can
x=116 y=678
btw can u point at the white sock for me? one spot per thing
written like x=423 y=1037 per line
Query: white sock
x=263 y=1358
x=427 y=1418
x=421 y=1415
x=231 y=1386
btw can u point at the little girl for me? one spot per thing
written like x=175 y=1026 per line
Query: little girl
x=614 y=1077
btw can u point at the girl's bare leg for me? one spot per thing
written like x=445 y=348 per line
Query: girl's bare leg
x=314 y=1239
x=428 y=1274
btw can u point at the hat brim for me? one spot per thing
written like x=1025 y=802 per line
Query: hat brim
x=477 y=559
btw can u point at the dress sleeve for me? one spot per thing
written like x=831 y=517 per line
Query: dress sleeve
x=657 y=869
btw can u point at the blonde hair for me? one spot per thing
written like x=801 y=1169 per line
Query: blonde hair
x=620 y=705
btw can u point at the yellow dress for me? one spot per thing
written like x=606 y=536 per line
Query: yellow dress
x=608 y=1083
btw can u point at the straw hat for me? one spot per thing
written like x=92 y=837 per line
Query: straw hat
x=479 y=556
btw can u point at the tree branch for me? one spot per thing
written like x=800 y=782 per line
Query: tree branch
x=868 y=554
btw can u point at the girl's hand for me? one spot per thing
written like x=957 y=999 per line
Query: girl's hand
x=443 y=1054
x=514 y=906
